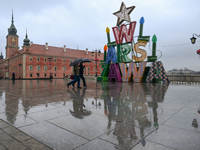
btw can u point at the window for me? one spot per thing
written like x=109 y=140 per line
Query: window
x=38 y=67
x=31 y=67
x=88 y=70
x=30 y=58
x=93 y=68
x=93 y=62
x=55 y=60
x=85 y=70
x=13 y=51
x=45 y=75
x=63 y=74
x=45 y=68
x=70 y=61
x=64 y=60
x=55 y=68
x=64 y=68
x=45 y=59
x=54 y=74
x=38 y=75
x=38 y=58
x=88 y=62
x=31 y=75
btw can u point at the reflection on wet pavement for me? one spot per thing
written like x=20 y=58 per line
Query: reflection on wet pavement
x=106 y=115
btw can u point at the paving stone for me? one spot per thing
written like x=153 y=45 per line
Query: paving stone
x=47 y=148
x=3 y=125
x=5 y=137
x=21 y=136
x=2 y=147
x=1 y=131
x=11 y=130
x=33 y=144
x=14 y=145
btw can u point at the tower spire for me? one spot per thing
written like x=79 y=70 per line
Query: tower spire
x=12 y=30
x=12 y=17
x=26 y=40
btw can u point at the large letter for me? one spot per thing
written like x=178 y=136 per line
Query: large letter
x=114 y=73
x=124 y=32
x=140 y=51
x=137 y=74
x=125 y=50
x=152 y=72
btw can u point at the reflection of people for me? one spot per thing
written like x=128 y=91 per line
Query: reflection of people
x=78 y=104
x=81 y=74
x=76 y=77
x=51 y=77
x=13 y=75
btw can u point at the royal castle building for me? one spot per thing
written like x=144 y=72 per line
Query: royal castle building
x=39 y=61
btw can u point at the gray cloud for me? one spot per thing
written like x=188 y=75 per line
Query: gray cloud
x=83 y=23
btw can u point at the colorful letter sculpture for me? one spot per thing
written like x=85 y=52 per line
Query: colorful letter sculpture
x=153 y=72
x=114 y=73
x=136 y=71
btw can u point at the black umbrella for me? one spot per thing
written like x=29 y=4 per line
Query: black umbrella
x=79 y=60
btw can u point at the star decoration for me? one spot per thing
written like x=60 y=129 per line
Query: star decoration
x=123 y=13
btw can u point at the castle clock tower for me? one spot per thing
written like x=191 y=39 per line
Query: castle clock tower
x=12 y=40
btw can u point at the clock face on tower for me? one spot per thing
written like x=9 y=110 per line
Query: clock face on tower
x=13 y=40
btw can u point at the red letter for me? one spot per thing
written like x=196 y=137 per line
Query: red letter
x=124 y=32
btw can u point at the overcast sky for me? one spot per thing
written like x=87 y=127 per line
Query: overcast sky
x=82 y=24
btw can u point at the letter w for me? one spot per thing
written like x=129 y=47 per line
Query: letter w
x=124 y=32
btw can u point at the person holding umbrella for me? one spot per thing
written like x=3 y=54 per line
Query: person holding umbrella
x=76 y=71
x=76 y=77
x=81 y=74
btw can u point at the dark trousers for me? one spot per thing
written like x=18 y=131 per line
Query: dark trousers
x=83 y=78
x=76 y=78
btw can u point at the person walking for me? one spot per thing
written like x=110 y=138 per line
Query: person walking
x=13 y=75
x=81 y=74
x=76 y=77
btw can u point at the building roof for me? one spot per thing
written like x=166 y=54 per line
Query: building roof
x=53 y=51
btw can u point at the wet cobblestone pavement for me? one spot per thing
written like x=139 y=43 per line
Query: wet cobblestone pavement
x=44 y=114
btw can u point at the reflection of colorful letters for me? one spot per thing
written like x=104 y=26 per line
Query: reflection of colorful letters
x=124 y=32
x=140 y=51
x=157 y=65
x=137 y=74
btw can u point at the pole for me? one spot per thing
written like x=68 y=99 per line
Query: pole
x=49 y=59
x=96 y=62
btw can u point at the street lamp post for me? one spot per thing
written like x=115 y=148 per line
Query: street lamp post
x=6 y=71
x=193 y=39
x=99 y=53
x=20 y=67
x=50 y=59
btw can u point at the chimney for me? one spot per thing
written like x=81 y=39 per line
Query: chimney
x=46 y=46
x=86 y=51
x=64 y=48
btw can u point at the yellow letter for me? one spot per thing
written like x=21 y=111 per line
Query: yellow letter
x=140 y=51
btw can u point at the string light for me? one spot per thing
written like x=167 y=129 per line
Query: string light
x=176 y=45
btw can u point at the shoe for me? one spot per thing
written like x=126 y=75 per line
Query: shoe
x=85 y=87
x=79 y=87
x=67 y=86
